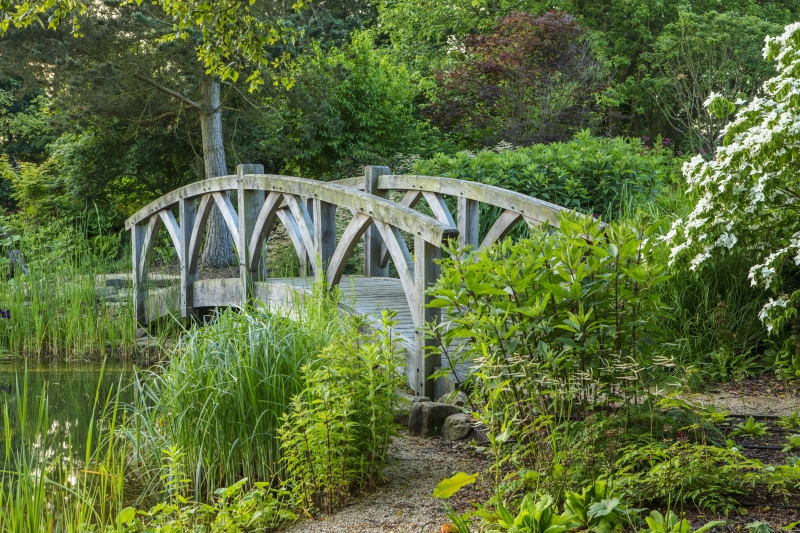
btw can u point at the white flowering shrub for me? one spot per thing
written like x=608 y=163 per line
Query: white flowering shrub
x=749 y=193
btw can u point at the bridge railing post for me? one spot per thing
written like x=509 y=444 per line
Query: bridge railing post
x=324 y=218
x=138 y=232
x=426 y=273
x=467 y=221
x=373 y=243
x=250 y=203
x=187 y=213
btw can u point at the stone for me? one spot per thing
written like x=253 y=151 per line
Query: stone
x=402 y=409
x=457 y=427
x=427 y=418
x=457 y=398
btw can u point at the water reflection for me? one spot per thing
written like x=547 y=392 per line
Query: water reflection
x=71 y=390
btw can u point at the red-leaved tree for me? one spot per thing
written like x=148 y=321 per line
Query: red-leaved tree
x=533 y=80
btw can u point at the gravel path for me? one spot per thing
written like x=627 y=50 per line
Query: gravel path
x=404 y=503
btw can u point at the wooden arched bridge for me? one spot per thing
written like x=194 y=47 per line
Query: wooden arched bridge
x=307 y=209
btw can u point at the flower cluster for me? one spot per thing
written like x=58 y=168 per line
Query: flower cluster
x=749 y=193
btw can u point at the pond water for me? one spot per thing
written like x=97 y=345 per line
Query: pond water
x=71 y=391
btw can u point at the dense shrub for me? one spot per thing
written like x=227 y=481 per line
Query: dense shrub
x=336 y=435
x=562 y=321
x=588 y=173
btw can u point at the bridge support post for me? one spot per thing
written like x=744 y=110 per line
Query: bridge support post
x=426 y=273
x=468 y=223
x=324 y=217
x=138 y=232
x=373 y=242
x=187 y=213
x=250 y=203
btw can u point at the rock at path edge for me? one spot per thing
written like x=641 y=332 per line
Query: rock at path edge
x=402 y=409
x=427 y=418
x=457 y=427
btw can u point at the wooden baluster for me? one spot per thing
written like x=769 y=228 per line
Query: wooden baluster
x=372 y=238
x=249 y=207
x=426 y=273
x=324 y=217
x=139 y=291
x=468 y=223
x=187 y=212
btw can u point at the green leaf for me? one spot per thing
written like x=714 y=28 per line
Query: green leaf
x=126 y=516
x=448 y=487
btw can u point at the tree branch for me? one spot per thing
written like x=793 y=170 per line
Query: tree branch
x=153 y=119
x=176 y=94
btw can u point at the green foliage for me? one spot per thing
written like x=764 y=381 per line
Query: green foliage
x=350 y=106
x=659 y=523
x=704 y=53
x=234 y=509
x=45 y=488
x=559 y=319
x=710 y=477
x=708 y=324
x=536 y=515
x=234 y=35
x=591 y=174
x=448 y=487
x=595 y=511
x=221 y=397
x=336 y=434
x=759 y=527
x=726 y=366
x=24 y=123
x=792 y=444
x=750 y=428
x=789 y=422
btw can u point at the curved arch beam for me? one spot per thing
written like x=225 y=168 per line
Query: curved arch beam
x=203 y=212
x=500 y=228
x=402 y=261
x=352 y=233
x=439 y=208
x=264 y=223
x=168 y=219
x=294 y=235
x=410 y=199
x=529 y=207
x=302 y=224
x=153 y=225
x=404 y=218
x=230 y=216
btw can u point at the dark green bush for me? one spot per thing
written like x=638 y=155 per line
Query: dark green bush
x=557 y=323
x=592 y=174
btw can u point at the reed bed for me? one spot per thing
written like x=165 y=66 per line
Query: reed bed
x=221 y=397
x=44 y=487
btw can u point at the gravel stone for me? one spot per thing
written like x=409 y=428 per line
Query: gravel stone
x=405 y=503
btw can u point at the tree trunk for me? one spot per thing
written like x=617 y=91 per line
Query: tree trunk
x=218 y=250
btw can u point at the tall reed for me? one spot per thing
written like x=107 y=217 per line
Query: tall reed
x=44 y=488
x=221 y=397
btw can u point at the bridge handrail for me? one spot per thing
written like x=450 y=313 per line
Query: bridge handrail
x=404 y=218
x=528 y=207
